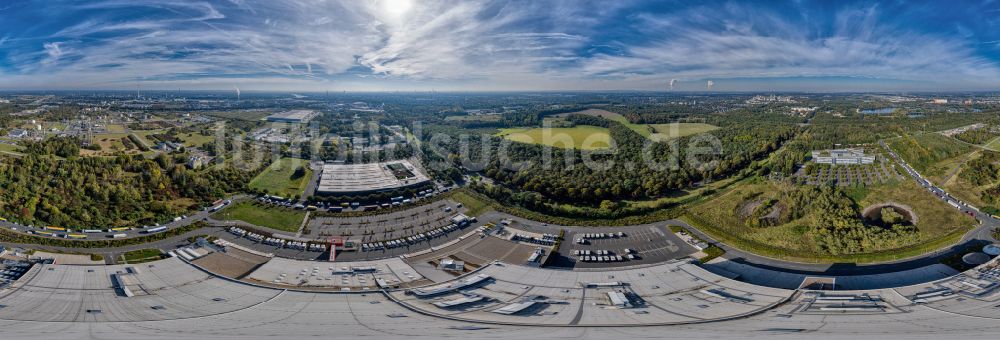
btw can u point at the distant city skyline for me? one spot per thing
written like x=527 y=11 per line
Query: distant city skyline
x=415 y=45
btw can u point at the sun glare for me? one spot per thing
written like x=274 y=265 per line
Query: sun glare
x=396 y=7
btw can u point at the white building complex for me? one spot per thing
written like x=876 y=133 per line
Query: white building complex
x=355 y=179
x=842 y=157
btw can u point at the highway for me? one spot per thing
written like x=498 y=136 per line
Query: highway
x=181 y=221
x=981 y=233
x=987 y=222
x=111 y=254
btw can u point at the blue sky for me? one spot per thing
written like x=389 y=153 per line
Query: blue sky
x=388 y=45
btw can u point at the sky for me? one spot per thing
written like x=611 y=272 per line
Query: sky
x=423 y=45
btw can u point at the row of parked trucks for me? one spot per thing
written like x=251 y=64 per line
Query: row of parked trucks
x=545 y=240
x=277 y=241
x=335 y=207
x=585 y=255
x=81 y=234
x=405 y=241
x=583 y=238
x=60 y=232
x=952 y=201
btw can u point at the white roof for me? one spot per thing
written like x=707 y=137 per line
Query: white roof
x=354 y=178
x=618 y=299
x=514 y=308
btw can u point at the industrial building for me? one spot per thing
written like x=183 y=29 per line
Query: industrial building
x=356 y=179
x=680 y=299
x=17 y=133
x=842 y=157
x=293 y=116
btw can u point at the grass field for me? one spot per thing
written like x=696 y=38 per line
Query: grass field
x=8 y=148
x=264 y=216
x=475 y=205
x=936 y=217
x=580 y=137
x=993 y=144
x=961 y=188
x=115 y=128
x=939 y=225
x=110 y=143
x=195 y=139
x=683 y=196
x=929 y=153
x=677 y=130
x=144 y=135
x=642 y=129
x=141 y=255
x=656 y=132
x=965 y=191
x=279 y=178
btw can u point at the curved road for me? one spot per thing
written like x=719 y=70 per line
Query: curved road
x=981 y=234
x=200 y=215
x=110 y=254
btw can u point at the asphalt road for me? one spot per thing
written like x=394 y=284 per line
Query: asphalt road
x=110 y=254
x=987 y=222
x=201 y=215
x=981 y=234
x=317 y=171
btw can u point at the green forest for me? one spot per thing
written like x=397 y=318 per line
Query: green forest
x=977 y=136
x=626 y=173
x=830 y=216
x=106 y=191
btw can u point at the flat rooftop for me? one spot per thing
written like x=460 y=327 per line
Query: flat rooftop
x=371 y=177
x=671 y=293
x=293 y=115
x=360 y=275
x=174 y=299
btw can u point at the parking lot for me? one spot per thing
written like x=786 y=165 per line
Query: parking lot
x=844 y=175
x=385 y=227
x=647 y=244
x=354 y=255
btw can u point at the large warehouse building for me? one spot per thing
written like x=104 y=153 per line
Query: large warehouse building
x=293 y=116
x=842 y=156
x=354 y=179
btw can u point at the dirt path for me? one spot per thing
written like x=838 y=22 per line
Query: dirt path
x=953 y=172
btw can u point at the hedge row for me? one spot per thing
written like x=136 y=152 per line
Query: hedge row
x=11 y=236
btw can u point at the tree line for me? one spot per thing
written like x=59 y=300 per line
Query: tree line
x=101 y=192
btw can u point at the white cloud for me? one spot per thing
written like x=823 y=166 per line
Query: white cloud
x=454 y=42
x=321 y=21
x=859 y=46
x=53 y=50
x=470 y=44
